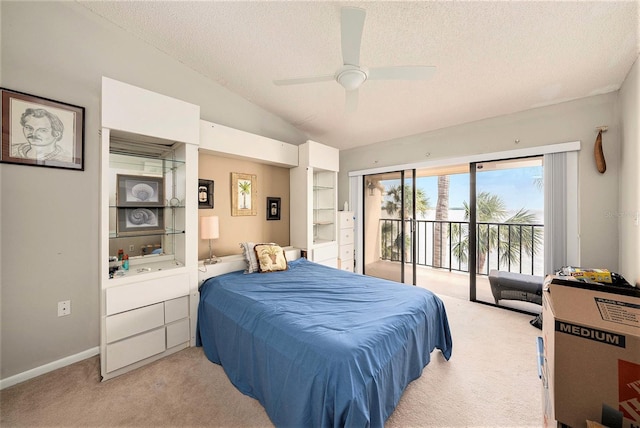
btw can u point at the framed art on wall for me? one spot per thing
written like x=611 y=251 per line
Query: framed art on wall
x=140 y=191
x=138 y=221
x=205 y=193
x=273 y=208
x=244 y=193
x=38 y=131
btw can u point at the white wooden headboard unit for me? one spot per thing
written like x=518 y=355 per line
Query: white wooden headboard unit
x=233 y=263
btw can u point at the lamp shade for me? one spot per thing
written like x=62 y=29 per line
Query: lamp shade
x=210 y=227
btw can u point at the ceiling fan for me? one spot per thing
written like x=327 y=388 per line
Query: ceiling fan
x=352 y=75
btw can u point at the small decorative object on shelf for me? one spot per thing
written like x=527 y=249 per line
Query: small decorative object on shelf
x=140 y=191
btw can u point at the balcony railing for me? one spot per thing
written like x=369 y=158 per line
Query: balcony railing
x=514 y=247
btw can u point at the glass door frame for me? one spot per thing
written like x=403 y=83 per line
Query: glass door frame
x=403 y=222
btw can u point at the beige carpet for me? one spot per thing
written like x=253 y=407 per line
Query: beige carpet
x=490 y=381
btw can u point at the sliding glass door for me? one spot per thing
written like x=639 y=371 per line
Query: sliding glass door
x=389 y=226
x=446 y=228
x=508 y=209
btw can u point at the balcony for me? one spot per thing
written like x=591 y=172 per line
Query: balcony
x=444 y=269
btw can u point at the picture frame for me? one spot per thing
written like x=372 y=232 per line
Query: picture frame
x=140 y=221
x=38 y=131
x=205 y=194
x=273 y=208
x=244 y=194
x=139 y=191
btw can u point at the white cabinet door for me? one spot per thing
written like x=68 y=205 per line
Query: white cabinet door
x=177 y=333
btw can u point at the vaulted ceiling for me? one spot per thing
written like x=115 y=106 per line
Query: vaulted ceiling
x=491 y=58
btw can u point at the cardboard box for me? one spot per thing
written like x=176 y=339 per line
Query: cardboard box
x=591 y=357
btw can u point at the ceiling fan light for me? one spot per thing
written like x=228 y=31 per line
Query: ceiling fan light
x=351 y=79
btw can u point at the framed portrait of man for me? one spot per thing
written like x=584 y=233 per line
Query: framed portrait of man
x=38 y=131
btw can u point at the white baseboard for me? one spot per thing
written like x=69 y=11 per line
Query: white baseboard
x=30 y=374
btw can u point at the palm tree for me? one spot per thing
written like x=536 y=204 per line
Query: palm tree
x=244 y=186
x=491 y=209
x=442 y=213
x=393 y=206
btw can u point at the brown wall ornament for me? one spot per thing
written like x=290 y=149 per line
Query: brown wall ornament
x=601 y=164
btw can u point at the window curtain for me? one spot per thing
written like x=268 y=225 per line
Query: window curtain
x=561 y=239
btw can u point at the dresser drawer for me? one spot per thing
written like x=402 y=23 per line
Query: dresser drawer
x=346 y=252
x=129 y=351
x=346 y=264
x=127 y=324
x=345 y=219
x=144 y=293
x=346 y=236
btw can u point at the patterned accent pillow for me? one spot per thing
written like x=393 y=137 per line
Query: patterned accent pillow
x=270 y=257
x=249 y=257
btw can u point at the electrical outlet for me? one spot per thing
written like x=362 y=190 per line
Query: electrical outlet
x=64 y=308
x=131 y=248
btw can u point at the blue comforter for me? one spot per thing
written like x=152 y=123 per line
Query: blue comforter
x=318 y=346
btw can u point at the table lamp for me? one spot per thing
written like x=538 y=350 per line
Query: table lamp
x=210 y=229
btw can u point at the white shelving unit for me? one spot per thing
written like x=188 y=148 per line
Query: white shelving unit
x=149 y=310
x=314 y=202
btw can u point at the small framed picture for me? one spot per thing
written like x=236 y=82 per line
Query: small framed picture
x=205 y=193
x=140 y=191
x=273 y=208
x=139 y=221
x=38 y=131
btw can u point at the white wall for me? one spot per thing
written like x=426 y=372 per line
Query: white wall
x=570 y=121
x=628 y=212
x=49 y=217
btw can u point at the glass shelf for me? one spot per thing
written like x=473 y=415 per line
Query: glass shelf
x=160 y=206
x=115 y=235
x=144 y=165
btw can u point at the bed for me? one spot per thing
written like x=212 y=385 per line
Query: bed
x=318 y=346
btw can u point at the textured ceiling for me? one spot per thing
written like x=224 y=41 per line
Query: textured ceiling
x=492 y=58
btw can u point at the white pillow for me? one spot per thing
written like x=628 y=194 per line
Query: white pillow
x=249 y=257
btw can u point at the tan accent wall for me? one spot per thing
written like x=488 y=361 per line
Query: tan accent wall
x=271 y=181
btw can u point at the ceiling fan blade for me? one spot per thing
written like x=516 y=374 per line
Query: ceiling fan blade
x=417 y=72
x=352 y=23
x=301 y=80
x=351 y=101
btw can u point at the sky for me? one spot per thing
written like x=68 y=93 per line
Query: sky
x=516 y=187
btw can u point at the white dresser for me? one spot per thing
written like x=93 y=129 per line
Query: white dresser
x=345 y=240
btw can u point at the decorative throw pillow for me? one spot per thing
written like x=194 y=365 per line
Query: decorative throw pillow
x=270 y=257
x=249 y=257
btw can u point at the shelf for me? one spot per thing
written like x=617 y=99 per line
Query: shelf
x=316 y=187
x=160 y=206
x=115 y=235
x=151 y=166
x=138 y=266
